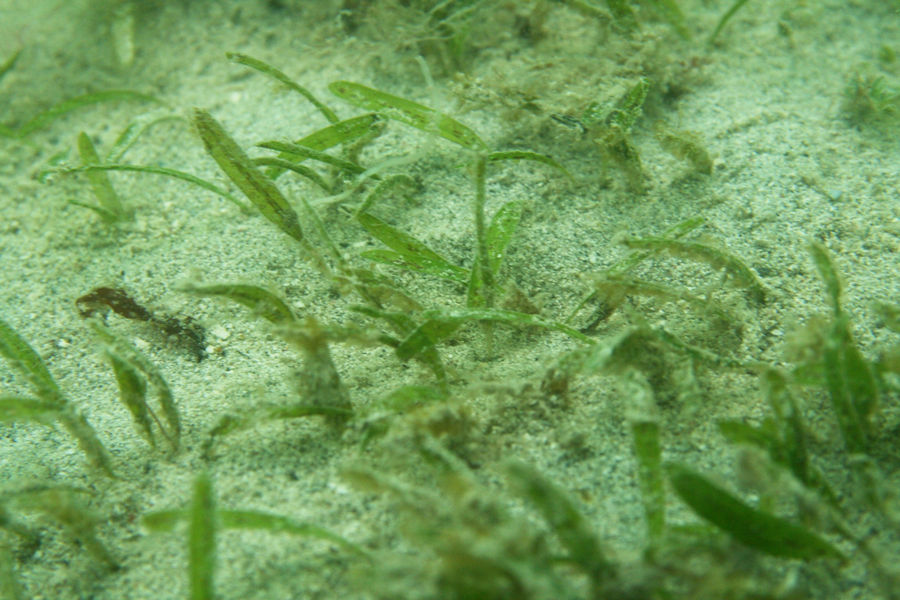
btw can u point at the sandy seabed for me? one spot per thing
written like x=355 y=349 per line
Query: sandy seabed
x=790 y=165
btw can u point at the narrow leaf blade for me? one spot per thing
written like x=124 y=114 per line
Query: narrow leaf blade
x=22 y=408
x=260 y=300
x=725 y=18
x=133 y=394
x=742 y=275
x=440 y=324
x=501 y=230
x=754 y=528
x=258 y=188
x=133 y=131
x=164 y=520
x=645 y=436
x=167 y=172
x=9 y=63
x=44 y=119
x=127 y=353
x=528 y=155
x=22 y=358
x=100 y=184
x=829 y=275
x=252 y=519
x=669 y=10
x=88 y=441
x=409 y=112
x=565 y=519
x=340 y=132
x=411 y=249
x=202 y=540
x=267 y=69
x=299 y=152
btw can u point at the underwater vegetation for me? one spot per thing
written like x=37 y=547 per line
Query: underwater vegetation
x=870 y=98
x=809 y=507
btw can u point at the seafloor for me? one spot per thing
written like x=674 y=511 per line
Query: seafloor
x=796 y=105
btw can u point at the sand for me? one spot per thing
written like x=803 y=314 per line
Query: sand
x=790 y=166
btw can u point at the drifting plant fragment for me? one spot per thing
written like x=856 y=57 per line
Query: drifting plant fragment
x=183 y=330
x=610 y=128
x=735 y=268
x=320 y=384
x=608 y=302
x=685 y=145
